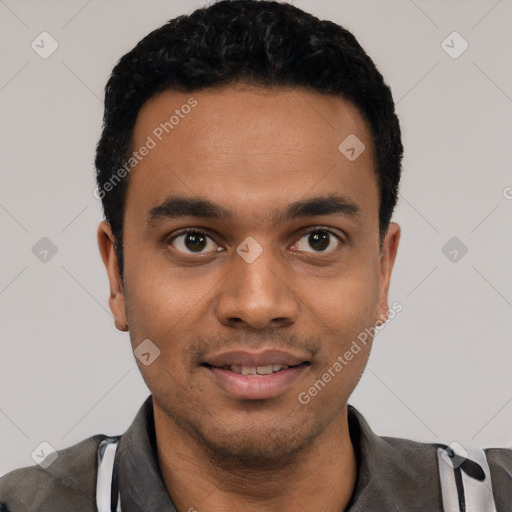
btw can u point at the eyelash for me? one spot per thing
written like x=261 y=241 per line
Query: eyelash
x=331 y=231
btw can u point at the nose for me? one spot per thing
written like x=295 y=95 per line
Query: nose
x=257 y=294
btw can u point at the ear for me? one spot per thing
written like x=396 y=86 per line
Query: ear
x=387 y=259
x=116 y=300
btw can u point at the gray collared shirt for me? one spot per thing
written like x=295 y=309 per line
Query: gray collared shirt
x=393 y=474
x=396 y=475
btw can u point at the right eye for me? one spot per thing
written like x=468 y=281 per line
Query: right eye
x=192 y=241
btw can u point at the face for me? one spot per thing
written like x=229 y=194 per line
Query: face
x=252 y=263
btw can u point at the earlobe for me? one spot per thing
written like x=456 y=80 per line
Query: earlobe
x=390 y=245
x=106 y=240
x=388 y=254
x=383 y=315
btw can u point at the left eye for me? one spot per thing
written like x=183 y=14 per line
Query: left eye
x=320 y=240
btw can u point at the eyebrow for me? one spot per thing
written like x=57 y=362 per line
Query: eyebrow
x=174 y=207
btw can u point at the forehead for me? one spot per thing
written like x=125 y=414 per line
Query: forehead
x=250 y=146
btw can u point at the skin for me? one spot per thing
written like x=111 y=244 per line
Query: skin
x=254 y=151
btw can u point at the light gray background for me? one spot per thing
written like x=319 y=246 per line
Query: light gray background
x=440 y=371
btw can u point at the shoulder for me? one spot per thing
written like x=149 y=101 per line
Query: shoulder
x=500 y=466
x=67 y=484
x=407 y=452
x=413 y=464
x=500 y=459
x=415 y=457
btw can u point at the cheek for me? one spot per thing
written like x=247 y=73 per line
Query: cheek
x=344 y=311
x=155 y=313
x=161 y=299
x=159 y=323
x=347 y=301
x=168 y=308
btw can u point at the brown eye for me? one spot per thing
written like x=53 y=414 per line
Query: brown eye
x=320 y=240
x=193 y=242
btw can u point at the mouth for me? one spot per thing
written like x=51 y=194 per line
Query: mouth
x=256 y=376
x=256 y=370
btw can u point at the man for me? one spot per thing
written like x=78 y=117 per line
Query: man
x=249 y=167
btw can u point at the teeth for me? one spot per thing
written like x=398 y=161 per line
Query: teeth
x=264 y=370
x=256 y=370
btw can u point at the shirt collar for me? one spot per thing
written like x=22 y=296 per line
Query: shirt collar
x=141 y=485
x=390 y=474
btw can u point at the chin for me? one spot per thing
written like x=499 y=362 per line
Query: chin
x=251 y=438
x=256 y=446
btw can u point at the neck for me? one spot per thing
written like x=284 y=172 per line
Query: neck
x=319 y=477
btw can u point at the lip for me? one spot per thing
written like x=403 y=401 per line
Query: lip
x=262 y=358
x=256 y=387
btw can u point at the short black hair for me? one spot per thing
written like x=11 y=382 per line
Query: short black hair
x=260 y=42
